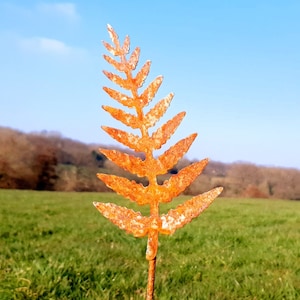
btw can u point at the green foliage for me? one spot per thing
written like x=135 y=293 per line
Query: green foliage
x=55 y=245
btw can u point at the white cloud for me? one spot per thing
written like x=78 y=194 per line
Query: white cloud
x=64 y=9
x=33 y=19
x=46 y=46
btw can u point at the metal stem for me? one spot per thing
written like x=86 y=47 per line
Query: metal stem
x=151 y=279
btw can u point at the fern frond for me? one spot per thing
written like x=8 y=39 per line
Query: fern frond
x=150 y=92
x=134 y=58
x=128 y=139
x=120 y=97
x=130 y=163
x=124 y=83
x=150 y=167
x=184 y=213
x=170 y=157
x=111 y=49
x=126 y=188
x=113 y=36
x=142 y=74
x=162 y=134
x=126 y=219
x=126 y=118
x=126 y=45
x=185 y=177
x=117 y=65
x=157 y=111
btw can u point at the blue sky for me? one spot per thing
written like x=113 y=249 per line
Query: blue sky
x=234 y=67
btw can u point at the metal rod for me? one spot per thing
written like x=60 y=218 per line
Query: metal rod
x=151 y=279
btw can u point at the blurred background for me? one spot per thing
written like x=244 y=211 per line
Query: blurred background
x=234 y=68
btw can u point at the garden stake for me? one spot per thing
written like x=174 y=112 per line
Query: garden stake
x=150 y=167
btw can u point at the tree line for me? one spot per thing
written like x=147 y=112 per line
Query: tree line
x=48 y=161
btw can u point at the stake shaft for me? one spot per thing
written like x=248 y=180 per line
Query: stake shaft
x=151 y=279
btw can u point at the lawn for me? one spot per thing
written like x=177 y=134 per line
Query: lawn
x=56 y=245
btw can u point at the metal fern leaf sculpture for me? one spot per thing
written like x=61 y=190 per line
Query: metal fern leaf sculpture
x=153 y=194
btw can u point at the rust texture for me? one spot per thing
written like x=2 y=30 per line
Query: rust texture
x=153 y=194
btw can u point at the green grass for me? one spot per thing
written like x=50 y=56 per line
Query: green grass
x=57 y=246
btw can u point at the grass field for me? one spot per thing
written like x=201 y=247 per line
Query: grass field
x=57 y=246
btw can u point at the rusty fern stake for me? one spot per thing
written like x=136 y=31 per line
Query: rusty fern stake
x=153 y=194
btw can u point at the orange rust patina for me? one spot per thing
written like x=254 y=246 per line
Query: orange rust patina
x=153 y=194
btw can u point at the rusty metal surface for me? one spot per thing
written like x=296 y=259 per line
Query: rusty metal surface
x=131 y=221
